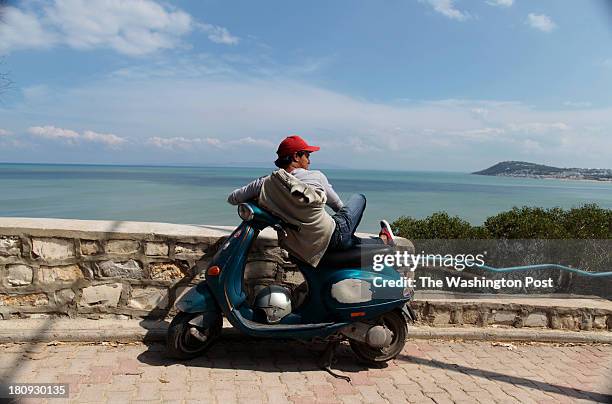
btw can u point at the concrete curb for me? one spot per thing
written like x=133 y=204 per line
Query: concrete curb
x=510 y=334
x=82 y=330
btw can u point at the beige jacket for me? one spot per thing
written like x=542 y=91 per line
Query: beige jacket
x=303 y=207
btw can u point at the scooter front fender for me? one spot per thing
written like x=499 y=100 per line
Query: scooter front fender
x=198 y=299
x=409 y=313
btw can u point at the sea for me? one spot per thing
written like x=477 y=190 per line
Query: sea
x=197 y=195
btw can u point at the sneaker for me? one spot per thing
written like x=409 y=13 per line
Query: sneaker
x=385 y=229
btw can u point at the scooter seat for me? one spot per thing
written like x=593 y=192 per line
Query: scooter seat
x=360 y=254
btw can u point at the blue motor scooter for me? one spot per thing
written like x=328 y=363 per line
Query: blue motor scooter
x=342 y=300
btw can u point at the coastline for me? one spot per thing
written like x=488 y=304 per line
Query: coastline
x=538 y=177
x=523 y=169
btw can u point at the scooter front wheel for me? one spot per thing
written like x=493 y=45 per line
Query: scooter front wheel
x=187 y=341
x=396 y=323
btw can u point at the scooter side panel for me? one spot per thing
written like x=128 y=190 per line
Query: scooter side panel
x=231 y=258
x=198 y=299
x=364 y=295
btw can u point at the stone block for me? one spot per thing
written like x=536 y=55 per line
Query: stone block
x=156 y=249
x=599 y=322
x=149 y=299
x=38 y=316
x=165 y=271
x=469 y=316
x=536 y=319
x=64 y=273
x=19 y=275
x=503 y=317
x=189 y=251
x=276 y=254
x=10 y=245
x=586 y=322
x=564 y=321
x=101 y=295
x=456 y=316
x=260 y=269
x=439 y=316
x=32 y=299
x=122 y=247
x=64 y=297
x=128 y=269
x=52 y=248
x=87 y=267
x=90 y=247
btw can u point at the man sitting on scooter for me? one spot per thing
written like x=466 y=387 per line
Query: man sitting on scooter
x=294 y=158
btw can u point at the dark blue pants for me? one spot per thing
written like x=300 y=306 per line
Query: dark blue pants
x=347 y=219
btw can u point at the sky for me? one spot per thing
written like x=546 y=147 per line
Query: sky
x=443 y=85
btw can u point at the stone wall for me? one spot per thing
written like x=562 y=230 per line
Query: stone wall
x=95 y=269
x=111 y=269
x=441 y=309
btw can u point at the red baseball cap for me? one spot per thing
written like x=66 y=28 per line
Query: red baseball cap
x=293 y=144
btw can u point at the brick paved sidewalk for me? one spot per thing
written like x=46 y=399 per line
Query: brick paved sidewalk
x=250 y=371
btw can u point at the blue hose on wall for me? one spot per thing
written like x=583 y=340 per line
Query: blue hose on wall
x=545 y=266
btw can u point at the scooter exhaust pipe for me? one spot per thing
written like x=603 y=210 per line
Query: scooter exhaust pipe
x=194 y=332
x=379 y=337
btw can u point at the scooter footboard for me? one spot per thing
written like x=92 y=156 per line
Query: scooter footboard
x=297 y=331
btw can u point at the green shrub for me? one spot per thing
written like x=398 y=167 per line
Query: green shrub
x=589 y=222
x=584 y=222
x=527 y=223
x=437 y=226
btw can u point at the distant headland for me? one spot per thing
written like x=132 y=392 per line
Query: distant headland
x=532 y=170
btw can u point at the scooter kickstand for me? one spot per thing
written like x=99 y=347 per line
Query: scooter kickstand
x=325 y=361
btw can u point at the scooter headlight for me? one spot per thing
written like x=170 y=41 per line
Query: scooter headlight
x=245 y=212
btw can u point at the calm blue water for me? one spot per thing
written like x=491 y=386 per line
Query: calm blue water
x=197 y=195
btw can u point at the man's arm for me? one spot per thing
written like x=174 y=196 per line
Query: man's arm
x=333 y=200
x=246 y=193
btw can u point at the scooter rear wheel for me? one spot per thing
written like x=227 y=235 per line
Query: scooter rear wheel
x=396 y=323
x=182 y=344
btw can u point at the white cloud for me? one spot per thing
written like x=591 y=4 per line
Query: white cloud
x=577 y=104
x=447 y=8
x=219 y=34
x=180 y=142
x=184 y=67
x=531 y=146
x=539 y=127
x=513 y=130
x=105 y=138
x=249 y=141
x=131 y=27
x=245 y=118
x=480 y=133
x=35 y=92
x=72 y=137
x=51 y=132
x=19 y=29
x=501 y=3
x=196 y=66
x=4 y=132
x=480 y=112
x=541 y=22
